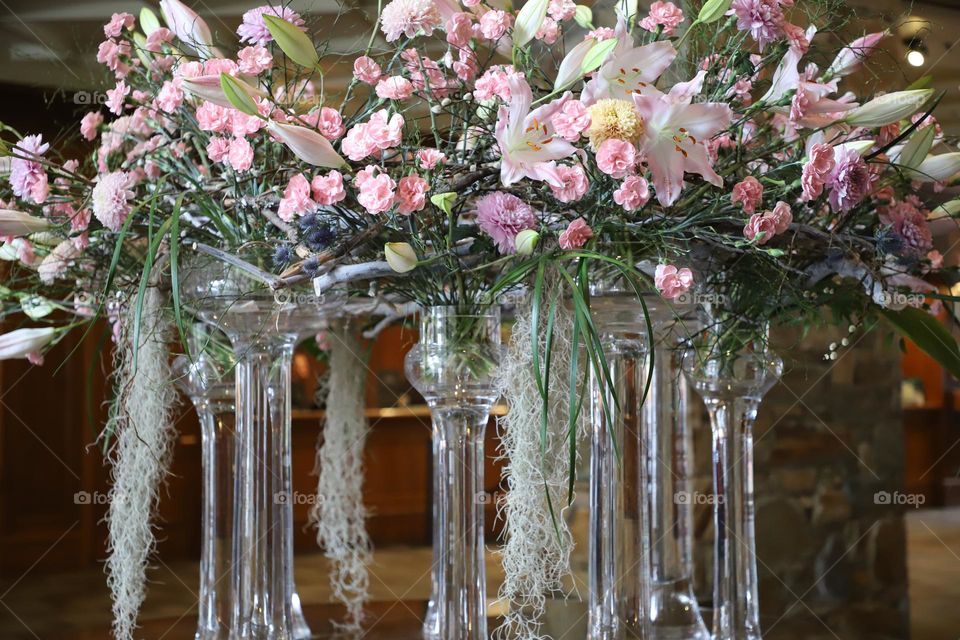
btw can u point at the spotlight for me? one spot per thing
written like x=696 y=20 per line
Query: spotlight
x=916 y=52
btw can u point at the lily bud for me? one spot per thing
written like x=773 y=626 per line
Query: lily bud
x=571 y=67
x=938 y=168
x=23 y=342
x=949 y=209
x=210 y=88
x=528 y=22
x=292 y=41
x=916 y=149
x=583 y=16
x=307 y=144
x=18 y=223
x=713 y=10
x=852 y=55
x=888 y=108
x=148 y=21
x=238 y=95
x=444 y=201
x=526 y=241
x=400 y=256
x=189 y=27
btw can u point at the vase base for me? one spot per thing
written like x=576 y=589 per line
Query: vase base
x=674 y=614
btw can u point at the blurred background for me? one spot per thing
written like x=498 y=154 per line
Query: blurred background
x=858 y=459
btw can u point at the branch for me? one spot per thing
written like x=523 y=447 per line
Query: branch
x=349 y=272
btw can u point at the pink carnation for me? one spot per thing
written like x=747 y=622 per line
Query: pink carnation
x=817 y=170
x=89 y=124
x=575 y=184
x=502 y=216
x=760 y=223
x=762 y=18
x=254 y=60
x=409 y=18
x=665 y=14
x=909 y=223
x=459 y=29
x=296 y=198
x=549 y=31
x=330 y=123
x=366 y=69
x=218 y=148
x=377 y=190
x=494 y=24
x=109 y=53
x=157 y=39
x=633 y=193
x=576 y=235
x=213 y=117
x=216 y=66
x=850 y=180
x=571 y=120
x=561 y=10
x=118 y=22
x=412 y=194
x=170 y=96
x=377 y=134
x=27 y=177
x=254 y=30
x=748 y=193
x=242 y=125
x=616 y=158
x=116 y=96
x=782 y=216
x=328 y=189
x=394 y=88
x=672 y=282
x=240 y=154
x=111 y=199
x=429 y=158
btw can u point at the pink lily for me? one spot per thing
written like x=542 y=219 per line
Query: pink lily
x=675 y=136
x=852 y=56
x=810 y=106
x=189 y=27
x=528 y=144
x=307 y=144
x=628 y=70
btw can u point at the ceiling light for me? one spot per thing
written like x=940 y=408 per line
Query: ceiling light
x=916 y=52
x=916 y=58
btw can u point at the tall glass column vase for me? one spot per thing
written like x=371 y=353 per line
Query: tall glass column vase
x=263 y=327
x=454 y=367
x=616 y=561
x=732 y=370
x=672 y=612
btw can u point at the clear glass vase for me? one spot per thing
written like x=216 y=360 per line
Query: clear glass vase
x=206 y=377
x=263 y=327
x=454 y=367
x=617 y=592
x=732 y=369
x=672 y=611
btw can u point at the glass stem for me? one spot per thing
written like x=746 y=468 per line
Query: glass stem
x=616 y=558
x=736 y=612
x=460 y=561
x=431 y=628
x=263 y=549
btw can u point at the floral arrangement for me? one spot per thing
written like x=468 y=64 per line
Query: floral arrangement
x=479 y=148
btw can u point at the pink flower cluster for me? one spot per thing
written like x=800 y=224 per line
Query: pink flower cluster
x=253 y=29
x=817 y=170
x=850 y=181
x=665 y=14
x=575 y=184
x=909 y=222
x=633 y=193
x=763 y=226
x=409 y=18
x=379 y=133
x=327 y=121
x=748 y=193
x=237 y=152
x=672 y=282
x=616 y=158
x=27 y=177
x=302 y=196
x=571 y=120
x=502 y=216
x=495 y=83
x=575 y=235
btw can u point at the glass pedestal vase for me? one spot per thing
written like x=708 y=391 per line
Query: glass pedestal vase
x=672 y=611
x=732 y=371
x=454 y=367
x=263 y=330
x=616 y=561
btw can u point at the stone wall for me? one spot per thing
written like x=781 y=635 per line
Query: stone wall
x=831 y=554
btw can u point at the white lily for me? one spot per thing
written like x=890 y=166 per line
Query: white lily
x=888 y=108
x=851 y=56
x=24 y=342
x=939 y=168
x=400 y=256
x=189 y=27
x=18 y=223
x=209 y=88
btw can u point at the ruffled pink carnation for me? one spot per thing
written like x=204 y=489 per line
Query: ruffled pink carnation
x=253 y=29
x=116 y=97
x=218 y=148
x=170 y=96
x=429 y=158
x=240 y=155
x=494 y=24
x=748 y=193
x=27 y=177
x=330 y=123
x=502 y=216
x=394 y=88
x=366 y=69
x=409 y=18
x=817 y=170
x=909 y=223
x=494 y=83
x=571 y=120
x=616 y=158
x=412 y=194
x=665 y=14
x=672 y=282
x=762 y=18
x=90 y=123
x=111 y=199
x=377 y=190
x=377 y=134
x=213 y=117
x=296 y=198
x=575 y=184
x=57 y=261
x=782 y=216
x=633 y=193
x=216 y=66
x=575 y=235
x=118 y=22
x=111 y=54
x=761 y=227
x=242 y=125
x=254 y=60
x=561 y=10
x=459 y=29
x=850 y=180
x=157 y=39
x=328 y=189
x=549 y=31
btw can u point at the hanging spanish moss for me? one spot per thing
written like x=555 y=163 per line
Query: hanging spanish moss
x=536 y=555
x=143 y=434
x=339 y=513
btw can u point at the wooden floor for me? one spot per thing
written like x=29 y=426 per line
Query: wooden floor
x=76 y=606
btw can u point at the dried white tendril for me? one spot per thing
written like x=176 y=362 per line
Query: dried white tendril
x=536 y=555
x=142 y=430
x=339 y=513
